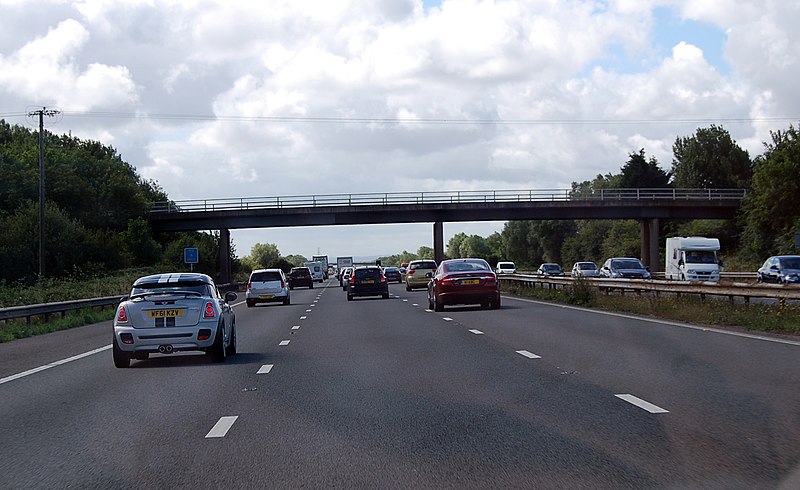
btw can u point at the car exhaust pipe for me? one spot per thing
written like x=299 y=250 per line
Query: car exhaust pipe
x=165 y=349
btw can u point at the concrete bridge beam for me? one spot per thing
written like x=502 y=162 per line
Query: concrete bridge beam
x=438 y=241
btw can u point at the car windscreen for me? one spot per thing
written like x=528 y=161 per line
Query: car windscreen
x=587 y=266
x=265 y=276
x=790 y=263
x=194 y=288
x=367 y=274
x=300 y=272
x=423 y=265
x=701 y=257
x=626 y=264
x=552 y=267
x=466 y=267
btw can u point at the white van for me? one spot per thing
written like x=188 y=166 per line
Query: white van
x=317 y=270
x=505 y=268
x=692 y=258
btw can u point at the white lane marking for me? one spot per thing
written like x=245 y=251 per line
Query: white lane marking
x=265 y=369
x=405 y=301
x=284 y=342
x=428 y=310
x=296 y=327
x=52 y=364
x=303 y=317
x=308 y=311
x=641 y=403
x=476 y=332
x=312 y=305
x=222 y=427
x=660 y=322
x=414 y=304
x=529 y=355
x=447 y=319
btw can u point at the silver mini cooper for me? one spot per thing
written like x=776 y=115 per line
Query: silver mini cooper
x=166 y=313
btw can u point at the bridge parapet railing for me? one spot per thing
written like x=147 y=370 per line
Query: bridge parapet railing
x=444 y=197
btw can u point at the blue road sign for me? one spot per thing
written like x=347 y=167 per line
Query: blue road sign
x=191 y=256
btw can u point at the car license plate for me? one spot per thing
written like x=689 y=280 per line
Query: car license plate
x=164 y=313
x=265 y=296
x=468 y=282
x=368 y=281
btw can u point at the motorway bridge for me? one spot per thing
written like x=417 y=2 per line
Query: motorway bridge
x=648 y=206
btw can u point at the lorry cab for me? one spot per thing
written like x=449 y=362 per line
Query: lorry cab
x=692 y=259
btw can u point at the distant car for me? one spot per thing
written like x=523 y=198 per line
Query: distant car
x=584 y=269
x=550 y=269
x=505 y=268
x=301 y=277
x=415 y=275
x=267 y=286
x=392 y=274
x=166 y=313
x=624 y=267
x=367 y=280
x=344 y=278
x=780 y=269
x=463 y=281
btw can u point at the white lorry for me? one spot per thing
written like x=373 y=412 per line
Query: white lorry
x=317 y=271
x=342 y=262
x=692 y=258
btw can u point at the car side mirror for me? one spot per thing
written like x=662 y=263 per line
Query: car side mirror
x=774 y=268
x=230 y=296
x=124 y=298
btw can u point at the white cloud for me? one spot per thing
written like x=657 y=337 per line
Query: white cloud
x=438 y=70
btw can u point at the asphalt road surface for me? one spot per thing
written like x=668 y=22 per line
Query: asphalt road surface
x=375 y=393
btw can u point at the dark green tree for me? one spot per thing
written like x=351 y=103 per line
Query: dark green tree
x=710 y=159
x=640 y=173
x=770 y=210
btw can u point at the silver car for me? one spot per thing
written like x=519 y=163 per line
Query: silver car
x=267 y=286
x=166 y=313
x=585 y=269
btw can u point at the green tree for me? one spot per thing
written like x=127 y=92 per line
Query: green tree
x=710 y=160
x=425 y=252
x=770 y=210
x=640 y=173
x=296 y=260
x=454 y=245
x=140 y=246
x=266 y=255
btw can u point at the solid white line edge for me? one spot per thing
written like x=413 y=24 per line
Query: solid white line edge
x=53 y=364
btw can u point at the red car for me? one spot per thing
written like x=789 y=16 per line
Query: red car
x=464 y=282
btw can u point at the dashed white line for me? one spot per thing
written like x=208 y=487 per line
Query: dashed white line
x=641 y=403
x=447 y=319
x=405 y=301
x=265 y=369
x=296 y=327
x=222 y=427
x=284 y=342
x=529 y=355
x=303 y=317
x=308 y=311
x=428 y=310
x=52 y=364
x=476 y=332
x=414 y=304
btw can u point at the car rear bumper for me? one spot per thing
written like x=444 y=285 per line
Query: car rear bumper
x=378 y=290
x=468 y=297
x=178 y=338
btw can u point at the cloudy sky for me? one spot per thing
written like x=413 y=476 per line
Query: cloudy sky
x=216 y=99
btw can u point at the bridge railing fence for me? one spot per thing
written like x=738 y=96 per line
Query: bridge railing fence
x=442 y=197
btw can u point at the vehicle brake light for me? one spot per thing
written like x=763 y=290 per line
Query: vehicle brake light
x=383 y=278
x=122 y=317
x=249 y=285
x=209 y=311
x=411 y=272
x=283 y=284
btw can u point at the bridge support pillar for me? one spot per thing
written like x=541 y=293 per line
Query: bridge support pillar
x=649 y=241
x=224 y=256
x=438 y=241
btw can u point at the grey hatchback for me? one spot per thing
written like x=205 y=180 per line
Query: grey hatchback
x=166 y=313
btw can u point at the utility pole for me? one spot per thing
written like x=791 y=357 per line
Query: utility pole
x=41 y=113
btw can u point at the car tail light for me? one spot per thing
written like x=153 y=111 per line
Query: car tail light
x=383 y=278
x=283 y=284
x=411 y=272
x=353 y=279
x=249 y=284
x=209 y=311
x=204 y=334
x=122 y=316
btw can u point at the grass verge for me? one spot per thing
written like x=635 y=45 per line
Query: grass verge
x=18 y=329
x=779 y=319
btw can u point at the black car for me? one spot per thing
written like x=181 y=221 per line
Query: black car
x=367 y=281
x=392 y=274
x=780 y=269
x=300 y=276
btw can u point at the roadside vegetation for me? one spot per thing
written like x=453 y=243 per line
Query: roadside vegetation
x=716 y=312
x=17 y=329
